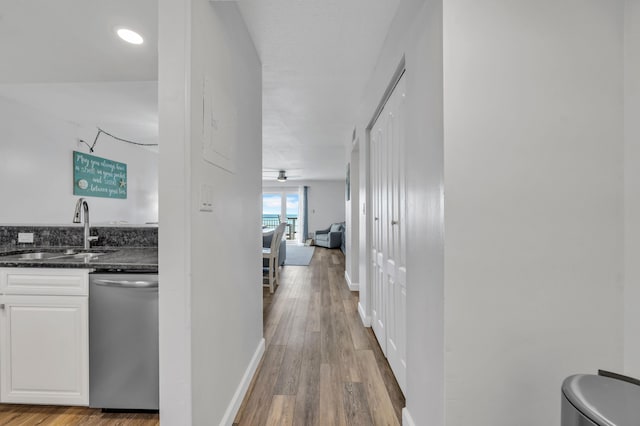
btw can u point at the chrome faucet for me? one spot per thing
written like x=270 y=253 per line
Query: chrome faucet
x=83 y=205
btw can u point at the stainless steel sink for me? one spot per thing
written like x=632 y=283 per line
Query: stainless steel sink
x=85 y=255
x=37 y=255
x=61 y=254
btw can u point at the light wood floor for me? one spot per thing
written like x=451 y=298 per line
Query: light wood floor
x=27 y=415
x=321 y=366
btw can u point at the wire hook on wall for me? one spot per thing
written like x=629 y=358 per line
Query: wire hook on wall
x=100 y=131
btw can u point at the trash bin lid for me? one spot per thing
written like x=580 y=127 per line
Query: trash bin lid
x=604 y=400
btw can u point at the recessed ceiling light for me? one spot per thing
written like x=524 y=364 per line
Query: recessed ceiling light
x=130 y=36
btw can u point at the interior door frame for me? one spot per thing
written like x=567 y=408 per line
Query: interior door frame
x=283 y=191
x=365 y=161
x=367 y=288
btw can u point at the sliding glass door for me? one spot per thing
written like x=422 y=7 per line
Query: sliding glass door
x=282 y=206
x=271 y=209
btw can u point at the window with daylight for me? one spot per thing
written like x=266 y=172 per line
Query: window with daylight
x=282 y=206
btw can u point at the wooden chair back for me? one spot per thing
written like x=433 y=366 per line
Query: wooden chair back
x=277 y=239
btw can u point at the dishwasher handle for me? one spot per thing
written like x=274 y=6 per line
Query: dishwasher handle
x=126 y=283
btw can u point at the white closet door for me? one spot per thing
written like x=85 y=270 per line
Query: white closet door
x=396 y=267
x=377 y=250
x=389 y=270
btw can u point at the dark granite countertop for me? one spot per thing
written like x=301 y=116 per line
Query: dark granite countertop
x=113 y=259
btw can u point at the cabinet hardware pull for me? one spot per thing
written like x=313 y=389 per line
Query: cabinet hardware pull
x=394 y=222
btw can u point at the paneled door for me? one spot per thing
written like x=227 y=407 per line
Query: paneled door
x=388 y=247
x=44 y=349
x=378 y=316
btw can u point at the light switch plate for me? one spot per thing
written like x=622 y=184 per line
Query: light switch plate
x=206 y=198
x=25 y=237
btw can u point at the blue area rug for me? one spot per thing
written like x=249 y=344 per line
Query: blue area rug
x=299 y=255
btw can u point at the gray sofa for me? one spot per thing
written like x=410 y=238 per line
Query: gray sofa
x=330 y=237
x=282 y=254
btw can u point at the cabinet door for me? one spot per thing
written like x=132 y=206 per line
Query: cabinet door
x=44 y=350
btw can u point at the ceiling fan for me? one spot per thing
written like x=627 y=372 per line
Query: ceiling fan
x=278 y=174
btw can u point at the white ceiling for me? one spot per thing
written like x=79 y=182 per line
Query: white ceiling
x=63 y=56
x=317 y=57
x=45 y=41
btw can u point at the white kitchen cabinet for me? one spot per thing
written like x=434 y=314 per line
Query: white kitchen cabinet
x=44 y=338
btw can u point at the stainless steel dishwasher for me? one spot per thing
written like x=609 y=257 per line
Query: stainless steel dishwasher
x=123 y=341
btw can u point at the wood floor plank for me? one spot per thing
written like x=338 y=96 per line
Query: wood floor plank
x=47 y=415
x=289 y=375
x=262 y=392
x=281 y=410
x=393 y=390
x=335 y=282
x=350 y=372
x=300 y=320
x=379 y=402
x=342 y=342
x=284 y=327
x=325 y=291
x=359 y=335
x=308 y=396
x=277 y=310
x=332 y=411
x=356 y=406
x=328 y=344
x=313 y=323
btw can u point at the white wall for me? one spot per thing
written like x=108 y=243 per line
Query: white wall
x=533 y=203
x=352 y=206
x=326 y=204
x=530 y=96
x=174 y=236
x=211 y=299
x=632 y=187
x=416 y=34
x=36 y=169
x=326 y=201
x=364 y=234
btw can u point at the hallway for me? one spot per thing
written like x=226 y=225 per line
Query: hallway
x=321 y=366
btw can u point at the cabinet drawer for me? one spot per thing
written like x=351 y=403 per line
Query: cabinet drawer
x=44 y=281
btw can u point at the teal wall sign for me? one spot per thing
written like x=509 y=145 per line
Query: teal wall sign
x=98 y=177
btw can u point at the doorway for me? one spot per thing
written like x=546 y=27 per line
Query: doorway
x=388 y=230
x=283 y=206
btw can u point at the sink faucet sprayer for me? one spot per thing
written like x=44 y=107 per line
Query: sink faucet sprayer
x=80 y=206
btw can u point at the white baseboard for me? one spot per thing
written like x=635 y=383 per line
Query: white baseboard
x=366 y=320
x=234 y=405
x=407 y=420
x=352 y=286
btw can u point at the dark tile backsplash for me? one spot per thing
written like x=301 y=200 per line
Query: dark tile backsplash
x=58 y=236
